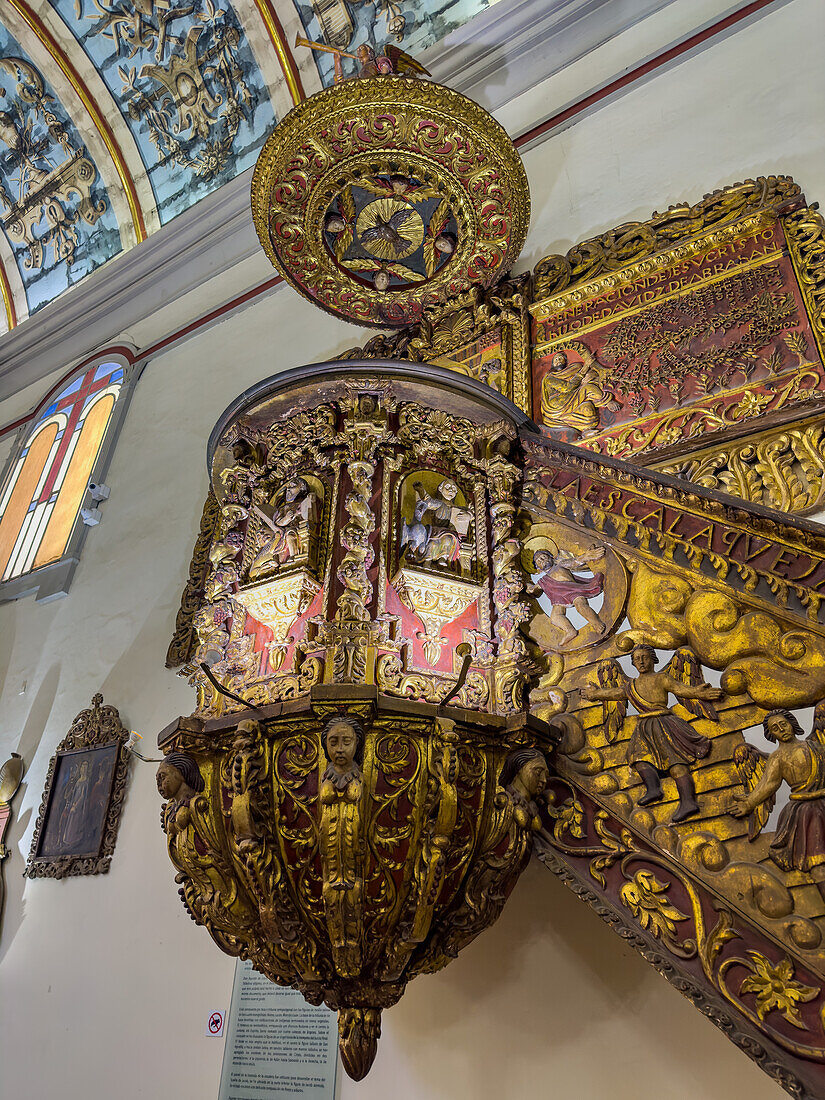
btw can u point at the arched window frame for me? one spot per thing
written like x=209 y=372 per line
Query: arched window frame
x=51 y=581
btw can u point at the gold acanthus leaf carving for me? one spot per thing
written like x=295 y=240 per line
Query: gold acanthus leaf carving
x=784 y=469
x=647 y=900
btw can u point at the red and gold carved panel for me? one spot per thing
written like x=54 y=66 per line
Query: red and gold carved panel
x=696 y=327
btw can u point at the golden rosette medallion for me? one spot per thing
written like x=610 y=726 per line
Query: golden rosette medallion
x=380 y=196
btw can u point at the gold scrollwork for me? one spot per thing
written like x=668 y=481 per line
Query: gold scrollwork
x=782 y=469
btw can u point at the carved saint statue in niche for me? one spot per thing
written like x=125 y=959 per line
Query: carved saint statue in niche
x=294 y=510
x=662 y=743
x=340 y=830
x=573 y=393
x=558 y=582
x=799 y=843
x=439 y=527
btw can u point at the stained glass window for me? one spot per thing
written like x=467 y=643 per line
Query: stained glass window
x=46 y=486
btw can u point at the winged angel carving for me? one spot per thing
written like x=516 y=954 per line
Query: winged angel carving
x=799 y=843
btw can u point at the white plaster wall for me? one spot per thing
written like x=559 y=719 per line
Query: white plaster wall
x=105 y=983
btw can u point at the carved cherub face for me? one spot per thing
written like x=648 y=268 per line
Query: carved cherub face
x=341 y=743
x=780 y=728
x=534 y=776
x=169 y=780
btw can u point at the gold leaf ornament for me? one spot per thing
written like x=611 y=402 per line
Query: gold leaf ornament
x=775 y=989
x=647 y=900
x=390 y=229
x=436 y=224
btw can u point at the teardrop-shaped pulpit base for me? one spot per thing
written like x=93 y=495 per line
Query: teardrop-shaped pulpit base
x=359 y=1030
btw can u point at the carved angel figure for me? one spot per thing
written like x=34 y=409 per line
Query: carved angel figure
x=439 y=526
x=247 y=467
x=293 y=512
x=340 y=829
x=557 y=580
x=661 y=743
x=799 y=844
x=573 y=393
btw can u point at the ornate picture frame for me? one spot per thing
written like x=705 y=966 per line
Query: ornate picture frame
x=83 y=798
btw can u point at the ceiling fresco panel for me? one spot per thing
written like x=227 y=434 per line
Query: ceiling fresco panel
x=56 y=211
x=347 y=24
x=118 y=115
x=184 y=78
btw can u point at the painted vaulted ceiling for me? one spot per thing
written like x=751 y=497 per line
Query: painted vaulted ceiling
x=117 y=115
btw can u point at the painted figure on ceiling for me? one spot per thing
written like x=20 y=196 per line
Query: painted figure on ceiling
x=799 y=843
x=557 y=580
x=294 y=510
x=573 y=393
x=662 y=743
x=439 y=526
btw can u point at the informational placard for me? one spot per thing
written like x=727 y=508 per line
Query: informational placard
x=277 y=1045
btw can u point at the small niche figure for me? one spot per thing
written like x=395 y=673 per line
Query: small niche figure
x=340 y=829
x=559 y=583
x=293 y=512
x=439 y=528
x=662 y=743
x=799 y=843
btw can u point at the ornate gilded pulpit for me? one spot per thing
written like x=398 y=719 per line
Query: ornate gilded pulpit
x=430 y=635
